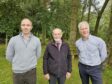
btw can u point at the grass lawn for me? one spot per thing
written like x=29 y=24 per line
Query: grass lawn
x=6 y=73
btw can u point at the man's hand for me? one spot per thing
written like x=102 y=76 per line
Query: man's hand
x=68 y=75
x=47 y=76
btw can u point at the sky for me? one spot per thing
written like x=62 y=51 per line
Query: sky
x=99 y=5
x=101 y=2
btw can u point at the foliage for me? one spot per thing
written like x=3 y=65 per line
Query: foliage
x=10 y=16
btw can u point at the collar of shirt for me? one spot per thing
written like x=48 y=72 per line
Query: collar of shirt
x=21 y=34
x=26 y=41
x=87 y=38
x=60 y=43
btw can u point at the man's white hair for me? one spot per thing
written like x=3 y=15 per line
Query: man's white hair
x=83 y=23
x=57 y=29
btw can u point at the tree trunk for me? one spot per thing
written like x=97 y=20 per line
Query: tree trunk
x=83 y=9
x=109 y=41
x=73 y=25
x=99 y=17
x=39 y=2
x=46 y=4
x=89 y=10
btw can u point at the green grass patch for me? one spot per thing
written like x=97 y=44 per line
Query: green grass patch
x=6 y=72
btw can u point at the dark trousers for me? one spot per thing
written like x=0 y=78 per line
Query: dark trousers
x=55 y=79
x=25 y=78
x=90 y=72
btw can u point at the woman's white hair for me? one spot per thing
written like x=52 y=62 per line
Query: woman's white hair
x=83 y=23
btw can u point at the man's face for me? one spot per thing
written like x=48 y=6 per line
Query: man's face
x=26 y=26
x=84 y=31
x=57 y=35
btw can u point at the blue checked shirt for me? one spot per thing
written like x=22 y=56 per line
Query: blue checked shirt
x=92 y=51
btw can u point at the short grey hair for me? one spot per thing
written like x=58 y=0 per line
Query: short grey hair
x=59 y=29
x=82 y=23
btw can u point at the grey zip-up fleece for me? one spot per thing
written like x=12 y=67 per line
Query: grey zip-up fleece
x=23 y=55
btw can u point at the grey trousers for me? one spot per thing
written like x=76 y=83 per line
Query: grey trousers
x=25 y=78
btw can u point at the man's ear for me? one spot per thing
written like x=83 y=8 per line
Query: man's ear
x=62 y=33
x=52 y=34
x=31 y=27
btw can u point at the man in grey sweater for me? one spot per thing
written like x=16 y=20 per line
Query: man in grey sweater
x=23 y=51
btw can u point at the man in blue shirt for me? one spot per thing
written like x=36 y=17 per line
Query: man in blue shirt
x=92 y=52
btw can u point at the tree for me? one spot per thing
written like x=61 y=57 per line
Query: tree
x=46 y=5
x=89 y=10
x=73 y=25
x=99 y=17
x=11 y=15
x=83 y=9
x=109 y=41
